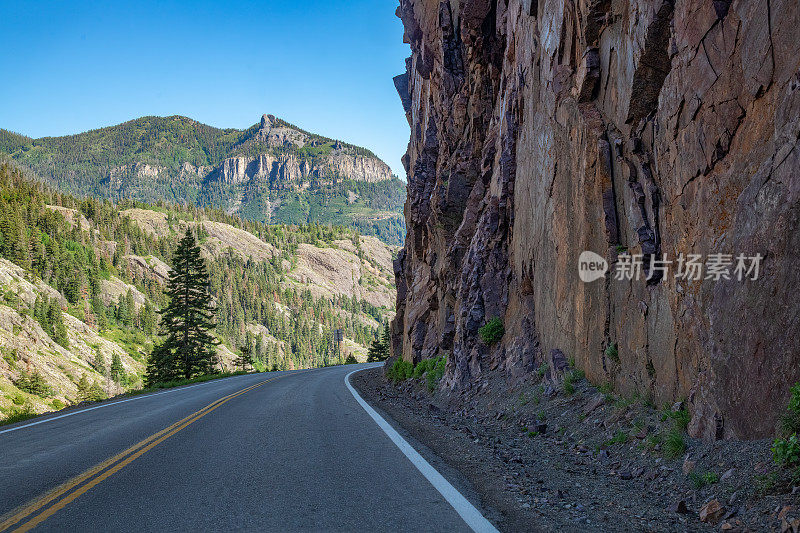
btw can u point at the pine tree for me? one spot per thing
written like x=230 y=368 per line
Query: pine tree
x=99 y=362
x=246 y=358
x=189 y=347
x=379 y=350
x=117 y=370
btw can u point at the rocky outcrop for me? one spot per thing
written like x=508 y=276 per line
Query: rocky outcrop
x=543 y=129
x=291 y=169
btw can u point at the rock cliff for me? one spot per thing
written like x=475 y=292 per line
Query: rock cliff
x=633 y=129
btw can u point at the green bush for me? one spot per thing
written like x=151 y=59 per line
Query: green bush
x=790 y=421
x=435 y=372
x=701 y=480
x=492 y=331
x=786 y=450
x=351 y=360
x=33 y=384
x=401 y=370
x=680 y=418
x=542 y=370
x=18 y=414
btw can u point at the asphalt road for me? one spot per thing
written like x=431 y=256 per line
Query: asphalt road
x=296 y=453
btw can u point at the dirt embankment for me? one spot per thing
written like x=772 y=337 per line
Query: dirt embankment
x=548 y=460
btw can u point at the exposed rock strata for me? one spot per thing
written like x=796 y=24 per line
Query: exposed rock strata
x=542 y=129
x=285 y=169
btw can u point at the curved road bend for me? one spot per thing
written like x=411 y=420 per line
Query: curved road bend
x=294 y=453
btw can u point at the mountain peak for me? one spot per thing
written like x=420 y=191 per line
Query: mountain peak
x=267 y=121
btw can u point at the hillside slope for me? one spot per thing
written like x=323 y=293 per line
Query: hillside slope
x=631 y=129
x=81 y=281
x=271 y=172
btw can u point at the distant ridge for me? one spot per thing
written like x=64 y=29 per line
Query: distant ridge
x=272 y=171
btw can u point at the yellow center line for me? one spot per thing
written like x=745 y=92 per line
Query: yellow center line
x=131 y=453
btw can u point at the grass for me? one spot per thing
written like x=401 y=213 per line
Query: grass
x=18 y=415
x=674 y=444
x=652 y=441
x=766 y=483
x=620 y=437
x=401 y=370
x=680 y=418
x=701 y=480
x=570 y=379
x=542 y=370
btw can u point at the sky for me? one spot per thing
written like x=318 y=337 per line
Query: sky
x=71 y=66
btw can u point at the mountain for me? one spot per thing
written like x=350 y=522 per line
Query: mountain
x=633 y=130
x=271 y=172
x=81 y=282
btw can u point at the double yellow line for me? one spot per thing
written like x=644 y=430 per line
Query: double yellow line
x=72 y=489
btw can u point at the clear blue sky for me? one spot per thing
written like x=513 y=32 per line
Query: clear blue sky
x=325 y=66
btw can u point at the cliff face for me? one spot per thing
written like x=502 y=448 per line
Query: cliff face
x=543 y=129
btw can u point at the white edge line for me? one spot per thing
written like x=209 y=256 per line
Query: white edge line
x=86 y=410
x=474 y=519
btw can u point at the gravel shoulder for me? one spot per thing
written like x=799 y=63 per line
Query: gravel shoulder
x=551 y=460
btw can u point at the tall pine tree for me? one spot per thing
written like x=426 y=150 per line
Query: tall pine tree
x=380 y=348
x=189 y=348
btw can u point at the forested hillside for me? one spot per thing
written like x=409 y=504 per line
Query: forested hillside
x=271 y=172
x=82 y=282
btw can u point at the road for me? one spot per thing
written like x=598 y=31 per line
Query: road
x=282 y=451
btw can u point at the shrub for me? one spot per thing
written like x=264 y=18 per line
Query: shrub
x=401 y=370
x=790 y=421
x=612 y=352
x=570 y=379
x=33 y=384
x=435 y=374
x=701 y=480
x=89 y=391
x=542 y=370
x=680 y=418
x=786 y=450
x=492 y=331
x=351 y=360
x=18 y=414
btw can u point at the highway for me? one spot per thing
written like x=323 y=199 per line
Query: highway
x=281 y=451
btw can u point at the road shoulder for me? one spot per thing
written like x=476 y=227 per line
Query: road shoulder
x=451 y=452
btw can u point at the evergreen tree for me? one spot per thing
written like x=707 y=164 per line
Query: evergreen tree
x=189 y=348
x=380 y=348
x=117 y=370
x=99 y=363
x=246 y=358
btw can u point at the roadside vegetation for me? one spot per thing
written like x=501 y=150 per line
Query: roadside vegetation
x=430 y=371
